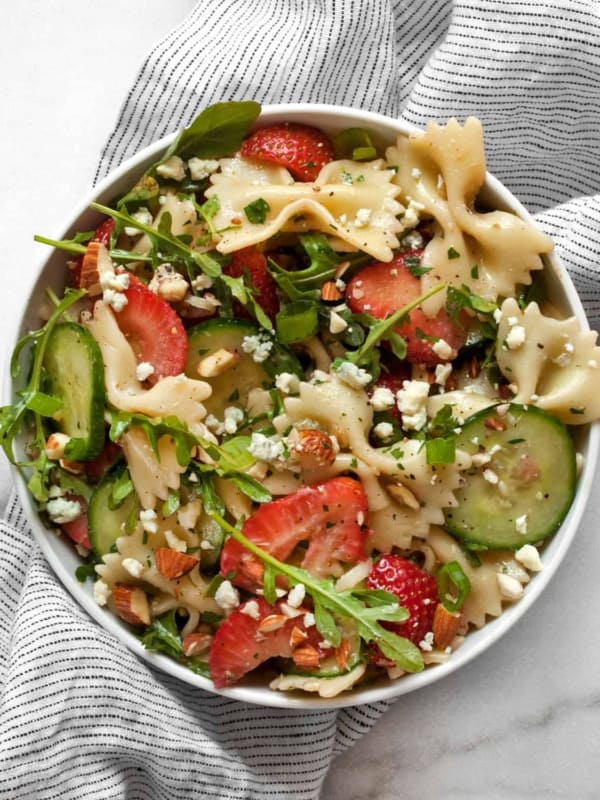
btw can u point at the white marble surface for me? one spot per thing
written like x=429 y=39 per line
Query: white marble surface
x=523 y=720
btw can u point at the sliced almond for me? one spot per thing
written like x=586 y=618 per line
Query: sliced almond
x=306 y=656
x=297 y=637
x=445 y=626
x=404 y=495
x=131 y=604
x=342 y=651
x=74 y=467
x=218 y=362
x=330 y=292
x=55 y=445
x=172 y=564
x=272 y=622
x=341 y=269
x=89 y=277
x=196 y=643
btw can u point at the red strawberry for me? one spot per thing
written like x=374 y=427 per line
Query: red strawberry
x=301 y=149
x=330 y=516
x=77 y=529
x=102 y=235
x=416 y=590
x=154 y=330
x=244 y=640
x=251 y=260
x=381 y=288
x=99 y=466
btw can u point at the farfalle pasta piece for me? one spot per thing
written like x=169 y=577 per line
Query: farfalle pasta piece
x=550 y=363
x=178 y=396
x=152 y=476
x=441 y=172
x=355 y=202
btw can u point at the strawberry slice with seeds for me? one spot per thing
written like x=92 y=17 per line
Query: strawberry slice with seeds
x=251 y=260
x=154 y=330
x=252 y=634
x=416 y=590
x=301 y=149
x=330 y=516
x=381 y=288
x=77 y=529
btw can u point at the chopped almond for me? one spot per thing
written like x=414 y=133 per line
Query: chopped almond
x=306 y=656
x=131 y=604
x=314 y=448
x=341 y=654
x=330 y=292
x=297 y=637
x=196 y=643
x=172 y=564
x=272 y=622
x=404 y=495
x=89 y=277
x=445 y=626
x=217 y=363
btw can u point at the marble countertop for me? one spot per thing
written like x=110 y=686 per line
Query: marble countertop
x=523 y=720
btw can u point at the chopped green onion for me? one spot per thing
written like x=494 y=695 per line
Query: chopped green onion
x=355 y=143
x=440 y=451
x=364 y=154
x=453 y=586
x=297 y=321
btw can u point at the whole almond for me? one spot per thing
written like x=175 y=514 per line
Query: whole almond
x=131 y=604
x=172 y=564
x=445 y=626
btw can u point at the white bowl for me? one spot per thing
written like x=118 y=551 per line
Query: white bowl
x=61 y=555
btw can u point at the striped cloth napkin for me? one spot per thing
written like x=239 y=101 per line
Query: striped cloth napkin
x=80 y=716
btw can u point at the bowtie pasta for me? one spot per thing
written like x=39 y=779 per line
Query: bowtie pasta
x=300 y=406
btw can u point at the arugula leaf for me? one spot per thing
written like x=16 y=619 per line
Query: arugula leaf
x=305 y=284
x=217 y=131
x=257 y=211
x=163 y=636
x=330 y=604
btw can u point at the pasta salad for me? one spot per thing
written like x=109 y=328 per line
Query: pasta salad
x=301 y=403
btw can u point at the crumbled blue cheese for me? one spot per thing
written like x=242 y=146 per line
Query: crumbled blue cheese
x=354 y=376
x=510 y=588
x=172 y=169
x=101 y=593
x=227 y=596
x=174 y=542
x=202 y=282
x=337 y=323
x=288 y=383
x=148 y=519
x=427 y=642
x=251 y=609
x=118 y=281
x=382 y=398
x=258 y=345
x=201 y=168
x=515 y=338
x=413 y=241
x=363 y=217
x=442 y=349
x=442 y=373
x=143 y=371
x=383 y=430
x=497 y=315
x=490 y=476
x=296 y=595
x=115 y=299
x=143 y=216
x=61 y=510
x=412 y=404
x=309 y=619
x=233 y=418
x=265 y=448
x=521 y=524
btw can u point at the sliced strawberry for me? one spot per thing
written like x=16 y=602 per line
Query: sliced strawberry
x=254 y=633
x=99 y=466
x=251 y=260
x=382 y=288
x=416 y=590
x=77 y=529
x=301 y=149
x=330 y=516
x=154 y=330
x=101 y=236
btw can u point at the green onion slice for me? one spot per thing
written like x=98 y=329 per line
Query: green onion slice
x=297 y=321
x=453 y=586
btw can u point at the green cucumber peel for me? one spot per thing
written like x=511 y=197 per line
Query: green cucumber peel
x=365 y=607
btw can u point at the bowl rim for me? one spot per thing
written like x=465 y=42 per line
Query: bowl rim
x=478 y=640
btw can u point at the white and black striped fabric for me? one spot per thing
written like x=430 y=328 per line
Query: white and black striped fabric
x=80 y=717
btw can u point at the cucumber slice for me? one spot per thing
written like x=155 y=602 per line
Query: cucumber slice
x=107 y=520
x=233 y=385
x=522 y=494
x=75 y=373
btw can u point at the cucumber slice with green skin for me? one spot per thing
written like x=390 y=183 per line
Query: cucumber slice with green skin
x=75 y=374
x=233 y=385
x=107 y=520
x=522 y=494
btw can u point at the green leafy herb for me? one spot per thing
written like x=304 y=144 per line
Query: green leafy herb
x=297 y=321
x=306 y=283
x=163 y=636
x=452 y=253
x=415 y=267
x=257 y=211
